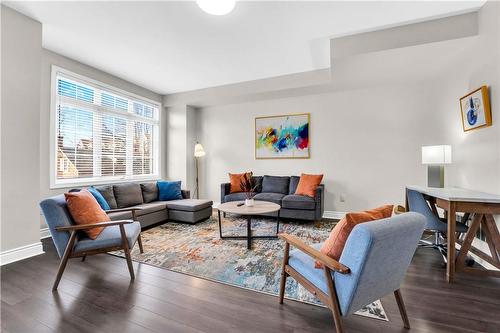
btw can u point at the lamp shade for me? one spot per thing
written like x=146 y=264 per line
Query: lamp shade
x=436 y=154
x=198 y=150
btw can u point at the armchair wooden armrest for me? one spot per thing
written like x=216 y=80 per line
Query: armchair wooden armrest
x=93 y=225
x=317 y=255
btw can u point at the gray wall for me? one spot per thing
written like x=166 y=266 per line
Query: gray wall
x=366 y=142
x=20 y=131
x=369 y=123
x=25 y=125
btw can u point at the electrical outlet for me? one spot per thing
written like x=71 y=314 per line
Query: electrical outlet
x=342 y=197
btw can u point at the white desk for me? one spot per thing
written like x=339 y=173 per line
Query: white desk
x=483 y=206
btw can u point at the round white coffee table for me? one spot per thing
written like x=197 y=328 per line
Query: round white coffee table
x=259 y=208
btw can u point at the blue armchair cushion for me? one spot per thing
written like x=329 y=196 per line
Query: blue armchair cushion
x=100 y=199
x=169 y=190
x=304 y=265
x=109 y=237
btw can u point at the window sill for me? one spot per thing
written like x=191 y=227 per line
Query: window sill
x=84 y=183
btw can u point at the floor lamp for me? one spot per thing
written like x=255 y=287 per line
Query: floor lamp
x=198 y=152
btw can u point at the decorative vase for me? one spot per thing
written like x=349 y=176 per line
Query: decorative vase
x=249 y=202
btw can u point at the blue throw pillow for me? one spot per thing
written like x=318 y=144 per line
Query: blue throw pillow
x=100 y=199
x=169 y=190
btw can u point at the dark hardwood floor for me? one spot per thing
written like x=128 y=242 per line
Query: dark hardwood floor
x=97 y=296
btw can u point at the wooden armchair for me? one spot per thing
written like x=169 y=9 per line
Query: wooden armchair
x=71 y=243
x=373 y=264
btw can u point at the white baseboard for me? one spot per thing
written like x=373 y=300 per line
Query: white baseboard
x=44 y=233
x=327 y=214
x=20 y=253
x=331 y=214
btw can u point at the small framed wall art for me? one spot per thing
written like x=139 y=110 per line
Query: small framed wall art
x=285 y=136
x=475 y=109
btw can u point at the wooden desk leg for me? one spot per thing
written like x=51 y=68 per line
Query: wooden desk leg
x=450 y=237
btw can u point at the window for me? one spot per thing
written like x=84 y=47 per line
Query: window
x=101 y=134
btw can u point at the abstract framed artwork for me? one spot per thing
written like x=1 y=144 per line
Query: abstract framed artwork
x=284 y=136
x=475 y=109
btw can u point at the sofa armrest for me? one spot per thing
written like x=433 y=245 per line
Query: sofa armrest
x=319 y=198
x=186 y=194
x=224 y=190
x=315 y=254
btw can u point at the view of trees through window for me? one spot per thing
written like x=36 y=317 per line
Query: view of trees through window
x=102 y=134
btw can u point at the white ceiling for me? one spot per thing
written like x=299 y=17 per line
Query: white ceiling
x=174 y=46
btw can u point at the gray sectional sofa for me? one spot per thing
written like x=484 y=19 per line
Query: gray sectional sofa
x=280 y=190
x=144 y=196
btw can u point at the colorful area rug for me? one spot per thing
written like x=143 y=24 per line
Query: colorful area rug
x=197 y=250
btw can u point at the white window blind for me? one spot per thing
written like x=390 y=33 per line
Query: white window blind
x=101 y=133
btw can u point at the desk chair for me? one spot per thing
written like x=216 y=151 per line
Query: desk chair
x=373 y=264
x=71 y=242
x=438 y=226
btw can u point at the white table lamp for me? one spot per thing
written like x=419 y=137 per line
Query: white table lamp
x=198 y=152
x=436 y=157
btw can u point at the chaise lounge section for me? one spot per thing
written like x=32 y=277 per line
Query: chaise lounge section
x=141 y=200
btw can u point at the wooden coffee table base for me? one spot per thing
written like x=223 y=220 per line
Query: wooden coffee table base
x=249 y=235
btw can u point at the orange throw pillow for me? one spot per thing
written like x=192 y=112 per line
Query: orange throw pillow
x=335 y=243
x=84 y=209
x=308 y=184
x=235 y=181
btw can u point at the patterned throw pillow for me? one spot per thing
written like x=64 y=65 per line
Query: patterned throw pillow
x=335 y=243
x=84 y=209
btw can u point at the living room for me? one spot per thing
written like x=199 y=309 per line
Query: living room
x=186 y=127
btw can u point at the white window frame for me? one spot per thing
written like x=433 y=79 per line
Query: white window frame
x=68 y=183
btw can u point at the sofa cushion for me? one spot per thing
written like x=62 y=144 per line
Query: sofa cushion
x=275 y=184
x=84 y=209
x=271 y=197
x=100 y=199
x=120 y=216
x=109 y=237
x=257 y=180
x=236 y=196
x=149 y=192
x=188 y=205
x=298 y=202
x=150 y=207
x=127 y=194
x=109 y=195
x=169 y=190
x=294 y=181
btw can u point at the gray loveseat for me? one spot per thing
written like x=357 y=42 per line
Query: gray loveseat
x=144 y=196
x=280 y=190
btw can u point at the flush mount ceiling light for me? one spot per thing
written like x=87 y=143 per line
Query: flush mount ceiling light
x=216 y=7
